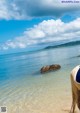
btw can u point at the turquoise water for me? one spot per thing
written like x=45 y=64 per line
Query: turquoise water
x=22 y=85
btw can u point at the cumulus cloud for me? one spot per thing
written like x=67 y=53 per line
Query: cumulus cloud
x=45 y=32
x=25 y=9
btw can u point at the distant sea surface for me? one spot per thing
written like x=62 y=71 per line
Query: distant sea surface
x=24 y=90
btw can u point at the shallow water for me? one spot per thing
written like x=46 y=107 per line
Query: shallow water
x=23 y=89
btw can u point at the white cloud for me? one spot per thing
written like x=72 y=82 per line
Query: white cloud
x=9 y=10
x=44 y=32
x=25 y=9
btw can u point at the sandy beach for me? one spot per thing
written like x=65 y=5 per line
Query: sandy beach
x=41 y=96
x=23 y=90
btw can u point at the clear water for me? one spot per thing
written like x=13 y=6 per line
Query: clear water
x=24 y=90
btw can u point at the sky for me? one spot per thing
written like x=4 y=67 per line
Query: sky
x=27 y=25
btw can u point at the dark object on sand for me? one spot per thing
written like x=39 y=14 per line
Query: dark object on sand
x=50 y=68
x=75 y=83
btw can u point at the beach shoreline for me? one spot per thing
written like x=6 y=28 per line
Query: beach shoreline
x=21 y=90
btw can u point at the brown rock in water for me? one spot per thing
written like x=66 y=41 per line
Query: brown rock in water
x=45 y=69
x=50 y=68
x=55 y=67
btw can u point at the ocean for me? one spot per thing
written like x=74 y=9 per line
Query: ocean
x=23 y=89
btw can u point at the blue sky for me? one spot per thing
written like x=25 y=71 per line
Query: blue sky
x=16 y=27
x=25 y=25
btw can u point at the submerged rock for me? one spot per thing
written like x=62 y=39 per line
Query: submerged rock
x=50 y=68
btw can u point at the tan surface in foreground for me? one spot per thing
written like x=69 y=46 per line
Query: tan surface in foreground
x=45 y=104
